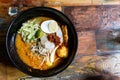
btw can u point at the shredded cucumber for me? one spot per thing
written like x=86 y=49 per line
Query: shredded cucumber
x=29 y=29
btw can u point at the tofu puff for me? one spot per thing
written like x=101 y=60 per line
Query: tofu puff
x=62 y=51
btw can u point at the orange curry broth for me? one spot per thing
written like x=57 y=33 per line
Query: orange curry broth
x=30 y=58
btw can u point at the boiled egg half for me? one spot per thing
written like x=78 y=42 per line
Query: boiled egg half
x=49 y=26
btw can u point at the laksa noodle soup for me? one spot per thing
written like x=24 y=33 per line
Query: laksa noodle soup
x=42 y=43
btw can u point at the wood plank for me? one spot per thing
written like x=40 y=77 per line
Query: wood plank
x=56 y=7
x=76 y=2
x=86 y=43
x=2 y=72
x=80 y=2
x=111 y=2
x=97 y=2
x=66 y=2
x=5 y=2
x=37 y=2
x=60 y=2
x=105 y=2
x=13 y=73
x=84 y=18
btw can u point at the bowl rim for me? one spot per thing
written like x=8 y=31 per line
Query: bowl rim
x=48 y=9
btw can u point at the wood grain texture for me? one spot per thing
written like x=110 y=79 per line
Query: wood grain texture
x=86 y=20
x=3 y=72
x=86 y=43
x=105 y=2
x=80 y=2
x=66 y=2
x=13 y=73
x=84 y=17
x=59 y=2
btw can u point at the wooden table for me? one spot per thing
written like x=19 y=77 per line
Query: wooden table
x=87 y=19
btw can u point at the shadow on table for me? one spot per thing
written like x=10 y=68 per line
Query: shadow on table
x=3 y=53
x=94 y=78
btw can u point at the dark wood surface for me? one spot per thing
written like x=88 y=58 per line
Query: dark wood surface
x=87 y=20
